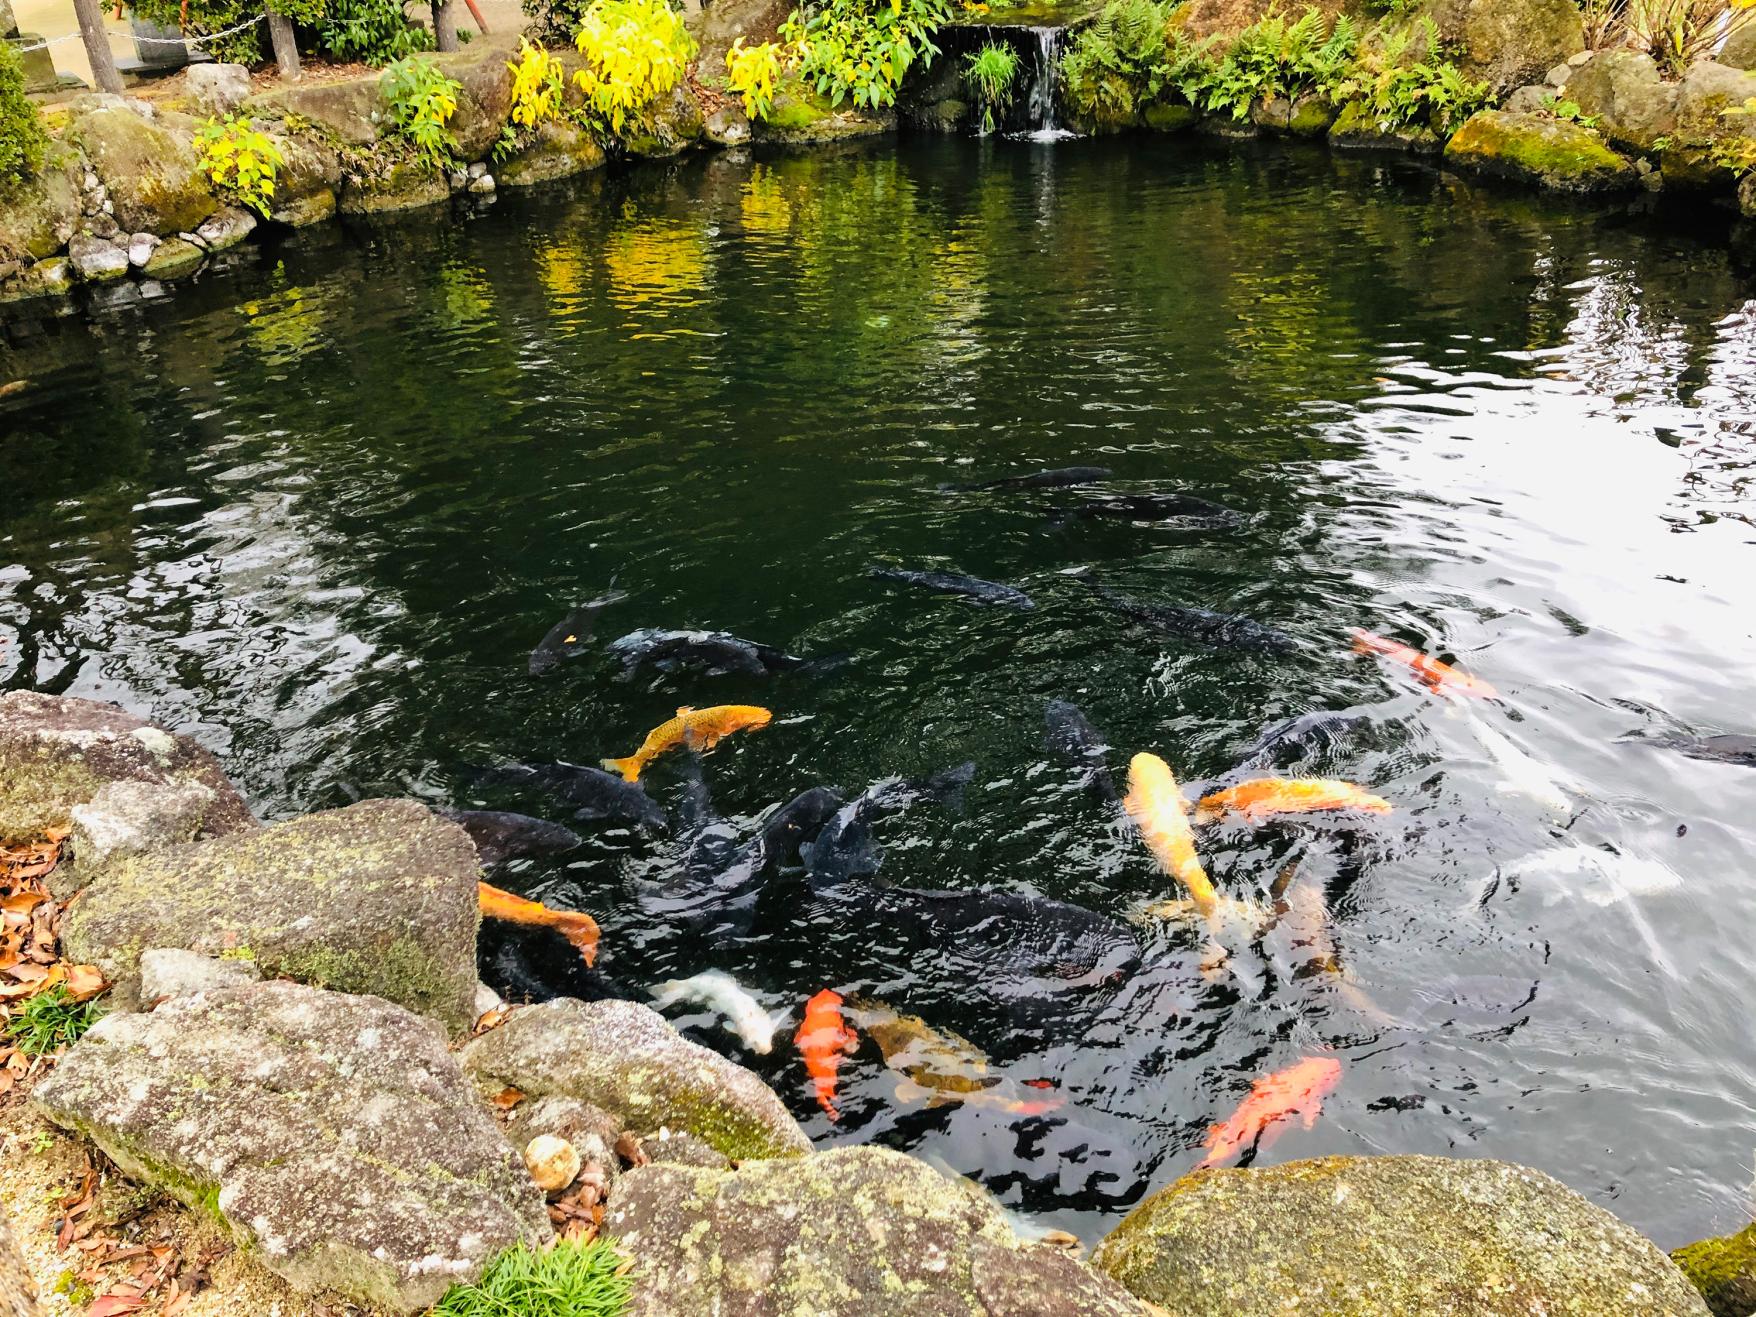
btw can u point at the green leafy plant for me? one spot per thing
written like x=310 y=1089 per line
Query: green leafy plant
x=989 y=74
x=539 y=83
x=50 y=1021
x=204 y=18
x=422 y=100
x=1123 y=61
x=1406 y=92
x=1275 y=58
x=568 y=1280
x=241 y=161
x=22 y=140
x=635 y=52
x=1676 y=33
x=1735 y=150
x=859 y=50
x=751 y=72
x=375 y=32
x=1569 y=111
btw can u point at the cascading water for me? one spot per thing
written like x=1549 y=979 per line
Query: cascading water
x=1040 y=103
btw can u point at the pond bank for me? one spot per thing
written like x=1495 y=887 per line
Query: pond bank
x=320 y=1099
x=122 y=195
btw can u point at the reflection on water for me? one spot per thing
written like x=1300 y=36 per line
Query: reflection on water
x=318 y=509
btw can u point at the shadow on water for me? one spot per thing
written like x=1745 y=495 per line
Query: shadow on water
x=316 y=509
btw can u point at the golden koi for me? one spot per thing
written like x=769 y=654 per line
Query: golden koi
x=1155 y=803
x=698 y=729
x=1265 y=797
x=938 y=1067
x=576 y=926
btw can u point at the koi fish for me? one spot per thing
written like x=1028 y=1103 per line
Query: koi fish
x=1261 y=1118
x=1440 y=678
x=717 y=653
x=970 y=587
x=1155 y=804
x=500 y=836
x=824 y=1040
x=1203 y=626
x=568 y=638
x=698 y=729
x=1264 y=797
x=939 y=1067
x=1060 y=478
x=576 y=926
x=1523 y=775
x=720 y=992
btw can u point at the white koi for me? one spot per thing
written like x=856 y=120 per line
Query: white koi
x=719 y=991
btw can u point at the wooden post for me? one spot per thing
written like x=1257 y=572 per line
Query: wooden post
x=286 y=49
x=445 y=24
x=97 y=46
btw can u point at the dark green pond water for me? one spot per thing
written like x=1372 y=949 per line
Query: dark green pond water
x=317 y=509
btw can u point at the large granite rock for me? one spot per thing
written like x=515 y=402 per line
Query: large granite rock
x=1724 y=1270
x=1691 y=158
x=309 y=181
x=333 y=1133
x=847 y=1233
x=41 y=213
x=58 y=753
x=379 y=897
x=217 y=88
x=405 y=184
x=1539 y=149
x=349 y=112
x=1388 y=1235
x=484 y=99
x=624 y=1058
x=1508 y=42
x=149 y=167
x=1624 y=91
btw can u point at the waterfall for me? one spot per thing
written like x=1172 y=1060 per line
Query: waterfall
x=1041 y=103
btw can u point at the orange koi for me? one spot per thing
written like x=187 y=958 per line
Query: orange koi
x=1155 y=803
x=1438 y=677
x=576 y=926
x=698 y=729
x=1261 y=1118
x=823 y=1040
x=1265 y=797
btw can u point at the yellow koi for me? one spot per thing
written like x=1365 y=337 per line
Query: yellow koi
x=1155 y=803
x=698 y=729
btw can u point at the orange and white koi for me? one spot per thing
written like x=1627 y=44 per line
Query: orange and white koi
x=1439 y=677
x=824 y=1041
x=1264 y=797
x=698 y=729
x=1262 y=1117
x=576 y=926
x=1155 y=803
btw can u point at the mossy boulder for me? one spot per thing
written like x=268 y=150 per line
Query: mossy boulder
x=58 y=753
x=1540 y=149
x=667 y=128
x=1312 y=116
x=1739 y=51
x=1692 y=156
x=1169 y=118
x=848 y=1233
x=624 y=1058
x=799 y=117
x=407 y=183
x=309 y=182
x=1508 y=42
x=1357 y=128
x=349 y=112
x=172 y=259
x=150 y=168
x=39 y=215
x=379 y=897
x=557 y=150
x=50 y=278
x=1624 y=91
x=1724 y=1270
x=334 y=1134
x=1388 y=1235
x=484 y=98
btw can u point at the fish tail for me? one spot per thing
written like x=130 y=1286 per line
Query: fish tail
x=629 y=768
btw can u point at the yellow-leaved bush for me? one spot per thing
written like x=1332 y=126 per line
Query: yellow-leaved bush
x=241 y=161
x=635 y=52
x=537 y=83
x=752 y=71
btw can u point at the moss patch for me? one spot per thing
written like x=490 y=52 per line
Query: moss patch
x=1724 y=1270
x=1536 y=148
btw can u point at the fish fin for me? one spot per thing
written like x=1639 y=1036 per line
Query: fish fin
x=629 y=768
x=666 y=994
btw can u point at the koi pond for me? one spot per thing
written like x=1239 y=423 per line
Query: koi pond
x=319 y=508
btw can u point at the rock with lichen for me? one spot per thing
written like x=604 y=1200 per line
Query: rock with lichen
x=1624 y=92
x=149 y=166
x=846 y=1233
x=1724 y=1270
x=624 y=1058
x=59 y=754
x=1712 y=102
x=332 y=1133
x=1539 y=149
x=379 y=897
x=1506 y=42
x=1388 y=1235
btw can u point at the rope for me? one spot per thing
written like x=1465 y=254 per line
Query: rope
x=146 y=41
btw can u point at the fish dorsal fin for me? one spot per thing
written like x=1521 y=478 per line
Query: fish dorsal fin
x=685 y=711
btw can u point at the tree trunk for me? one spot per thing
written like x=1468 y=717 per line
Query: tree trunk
x=445 y=24
x=97 y=46
x=286 y=49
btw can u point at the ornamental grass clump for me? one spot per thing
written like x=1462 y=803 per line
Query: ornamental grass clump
x=568 y=1280
x=990 y=74
x=50 y=1021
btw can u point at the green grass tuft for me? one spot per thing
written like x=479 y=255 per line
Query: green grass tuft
x=569 y=1280
x=50 y=1021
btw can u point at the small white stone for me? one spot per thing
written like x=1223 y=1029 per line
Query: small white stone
x=553 y=1163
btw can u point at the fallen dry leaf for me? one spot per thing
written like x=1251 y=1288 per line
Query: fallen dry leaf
x=508 y=1098
x=110 y=1305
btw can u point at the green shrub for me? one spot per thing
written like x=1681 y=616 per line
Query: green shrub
x=553 y=22
x=22 y=140
x=207 y=17
x=859 y=50
x=1403 y=91
x=751 y=72
x=989 y=75
x=375 y=32
x=1274 y=58
x=1124 y=61
x=422 y=100
x=241 y=162
x=569 y=1280
x=50 y=1021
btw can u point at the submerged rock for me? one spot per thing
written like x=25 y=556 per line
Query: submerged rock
x=1539 y=149
x=1724 y=1270
x=58 y=753
x=379 y=897
x=173 y=258
x=847 y=1233
x=1388 y=1235
x=623 y=1057
x=333 y=1133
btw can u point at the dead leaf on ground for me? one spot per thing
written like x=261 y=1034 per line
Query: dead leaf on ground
x=507 y=1098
